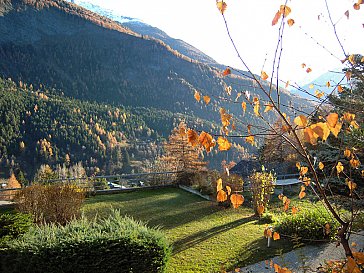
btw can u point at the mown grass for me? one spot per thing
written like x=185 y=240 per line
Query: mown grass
x=205 y=237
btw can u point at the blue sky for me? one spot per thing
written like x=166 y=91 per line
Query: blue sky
x=200 y=24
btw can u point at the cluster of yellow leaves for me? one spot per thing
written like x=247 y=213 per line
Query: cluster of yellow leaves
x=283 y=11
x=236 y=199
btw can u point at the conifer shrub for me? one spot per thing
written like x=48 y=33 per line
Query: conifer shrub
x=113 y=244
x=12 y=225
x=53 y=203
x=311 y=226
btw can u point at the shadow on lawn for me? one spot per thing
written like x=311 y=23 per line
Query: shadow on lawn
x=201 y=236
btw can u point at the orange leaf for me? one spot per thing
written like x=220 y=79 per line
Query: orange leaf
x=352 y=267
x=319 y=94
x=206 y=99
x=256 y=107
x=243 y=105
x=260 y=209
x=268 y=107
x=226 y=72
x=340 y=89
x=207 y=141
x=221 y=5
x=221 y=196
x=219 y=185
x=276 y=17
x=228 y=189
x=328 y=84
x=356 y=6
x=276 y=236
x=303 y=65
x=321 y=166
x=250 y=139
x=280 y=196
x=192 y=137
x=237 y=200
x=354 y=163
x=351 y=185
x=303 y=171
x=321 y=130
x=339 y=167
x=359 y=256
x=327 y=229
x=307 y=180
x=225 y=117
x=301 y=120
x=308 y=70
x=197 y=96
x=224 y=144
x=302 y=194
x=268 y=232
x=290 y=22
x=264 y=76
x=348 y=117
x=294 y=210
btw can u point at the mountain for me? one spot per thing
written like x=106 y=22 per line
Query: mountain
x=83 y=56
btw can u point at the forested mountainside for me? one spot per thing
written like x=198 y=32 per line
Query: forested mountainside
x=93 y=66
x=40 y=127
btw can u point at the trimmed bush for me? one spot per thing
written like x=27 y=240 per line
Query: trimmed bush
x=309 y=225
x=116 y=244
x=13 y=225
x=53 y=203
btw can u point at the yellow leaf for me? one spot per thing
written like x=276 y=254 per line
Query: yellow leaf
x=221 y=196
x=224 y=144
x=347 y=153
x=354 y=163
x=352 y=58
x=354 y=124
x=335 y=130
x=236 y=200
x=311 y=86
x=237 y=269
x=276 y=17
x=228 y=90
x=301 y=120
x=351 y=184
x=303 y=65
x=206 y=99
x=197 y=96
x=207 y=141
x=225 y=117
x=268 y=107
x=256 y=107
x=287 y=84
x=339 y=167
x=243 y=105
x=310 y=136
x=221 y=5
x=306 y=181
x=228 y=189
x=285 y=10
x=332 y=119
x=328 y=84
x=321 y=166
x=352 y=267
x=264 y=76
x=290 y=22
x=321 y=130
x=219 y=185
x=192 y=137
x=348 y=117
x=298 y=165
x=250 y=140
x=260 y=209
x=276 y=236
x=327 y=229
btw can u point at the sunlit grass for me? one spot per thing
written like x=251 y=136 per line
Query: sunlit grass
x=205 y=237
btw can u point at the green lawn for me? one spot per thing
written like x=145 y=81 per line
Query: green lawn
x=205 y=237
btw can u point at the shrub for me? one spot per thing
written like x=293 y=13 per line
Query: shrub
x=55 y=203
x=262 y=186
x=310 y=225
x=116 y=244
x=13 y=225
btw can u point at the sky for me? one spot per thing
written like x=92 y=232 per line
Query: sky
x=311 y=40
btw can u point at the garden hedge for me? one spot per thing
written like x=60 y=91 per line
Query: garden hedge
x=115 y=244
